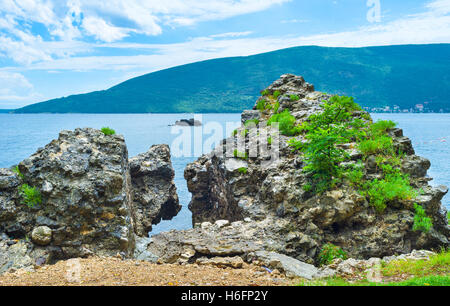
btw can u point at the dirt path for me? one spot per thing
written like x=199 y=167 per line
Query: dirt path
x=116 y=272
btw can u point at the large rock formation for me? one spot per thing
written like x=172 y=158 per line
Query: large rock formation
x=294 y=221
x=91 y=203
x=154 y=192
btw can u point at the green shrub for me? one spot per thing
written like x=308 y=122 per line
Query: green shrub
x=307 y=187
x=286 y=122
x=276 y=94
x=251 y=121
x=448 y=217
x=30 y=195
x=355 y=176
x=329 y=253
x=382 y=126
x=234 y=133
x=378 y=145
x=261 y=105
x=294 y=98
x=265 y=92
x=245 y=132
x=324 y=132
x=243 y=170
x=240 y=155
x=108 y=131
x=395 y=186
x=17 y=171
x=421 y=221
x=276 y=107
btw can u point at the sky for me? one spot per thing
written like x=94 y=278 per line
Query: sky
x=55 y=48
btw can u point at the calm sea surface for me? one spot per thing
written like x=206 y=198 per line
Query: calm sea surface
x=22 y=134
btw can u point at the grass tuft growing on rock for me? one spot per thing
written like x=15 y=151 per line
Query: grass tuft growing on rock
x=421 y=221
x=16 y=170
x=286 y=123
x=108 y=131
x=329 y=253
x=31 y=196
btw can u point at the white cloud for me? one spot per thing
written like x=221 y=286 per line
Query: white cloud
x=15 y=90
x=232 y=34
x=102 y=30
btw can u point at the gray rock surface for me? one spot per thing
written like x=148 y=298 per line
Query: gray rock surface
x=154 y=192
x=42 y=235
x=288 y=265
x=87 y=196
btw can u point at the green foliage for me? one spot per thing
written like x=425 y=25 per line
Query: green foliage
x=265 y=92
x=421 y=221
x=433 y=280
x=243 y=170
x=378 y=145
x=276 y=94
x=294 y=98
x=31 y=196
x=108 y=131
x=382 y=126
x=240 y=155
x=329 y=253
x=307 y=187
x=276 y=107
x=286 y=123
x=394 y=186
x=17 y=171
x=355 y=176
x=261 y=105
x=269 y=140
x=448 y=217
x=251 y=122
x=234 y=133
x=324 y=132
x=245 y=132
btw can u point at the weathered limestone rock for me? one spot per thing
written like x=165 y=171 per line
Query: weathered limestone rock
x=154 y=192
x=42 y=235
x=300 y=223
x=84 y=181
x=222 y=262
x=87 y=194
x=290 y=266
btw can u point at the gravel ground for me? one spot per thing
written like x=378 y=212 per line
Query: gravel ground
x=117 y=272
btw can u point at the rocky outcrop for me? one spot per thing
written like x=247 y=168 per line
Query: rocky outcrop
x=188 y=122
x=299 y=223
x=92 y=200
x=154 y=192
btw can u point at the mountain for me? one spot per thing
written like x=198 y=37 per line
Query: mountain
x=405 y=76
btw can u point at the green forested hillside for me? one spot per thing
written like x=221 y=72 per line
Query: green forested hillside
x=375 y=76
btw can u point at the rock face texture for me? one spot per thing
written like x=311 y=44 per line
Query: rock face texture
x=295 y=222
x=154 y=192
x=91 y=203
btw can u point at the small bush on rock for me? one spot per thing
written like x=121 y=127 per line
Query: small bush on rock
x=329 y=253
x=31 y=196
x=108 y=131
x=421 y=221
x=286 y=123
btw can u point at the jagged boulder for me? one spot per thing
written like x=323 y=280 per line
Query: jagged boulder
x=271 y=191
x=86 y=206
x=85 y=186
x=154 y=192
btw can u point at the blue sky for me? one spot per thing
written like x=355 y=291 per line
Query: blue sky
x=54 y=48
